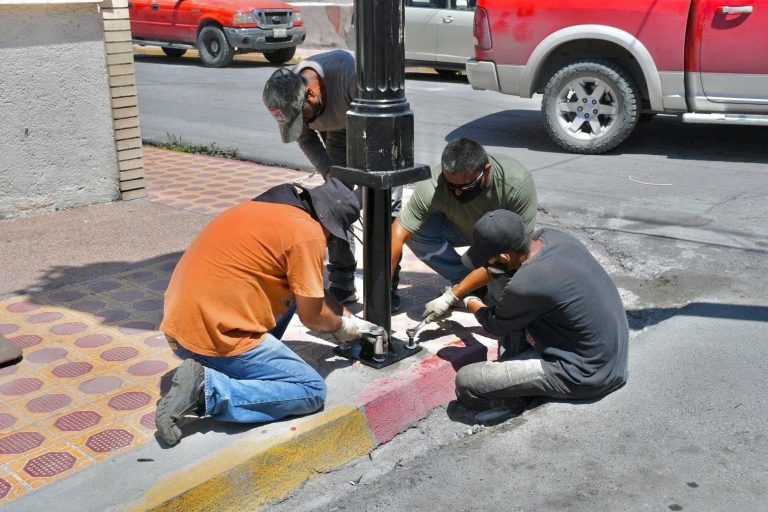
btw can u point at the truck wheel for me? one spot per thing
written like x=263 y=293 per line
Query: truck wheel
x=215 y=51
x=590 y=107
x=174 y=53
x=280 y=56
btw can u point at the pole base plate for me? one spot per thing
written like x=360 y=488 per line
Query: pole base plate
x=354 y=350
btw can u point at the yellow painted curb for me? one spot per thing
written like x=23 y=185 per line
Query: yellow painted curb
x=249 y=475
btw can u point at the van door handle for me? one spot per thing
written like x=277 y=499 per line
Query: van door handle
x=447 y=19
x=741 y=9
x=155 y=7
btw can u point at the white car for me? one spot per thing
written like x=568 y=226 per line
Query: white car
x=438 y=34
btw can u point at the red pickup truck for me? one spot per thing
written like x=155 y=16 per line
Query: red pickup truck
x=219 y=29
x=602 y=64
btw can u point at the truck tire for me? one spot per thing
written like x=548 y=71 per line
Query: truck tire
x=591 y=106
x=215 y=51
x=174 y=53
x=280 y=56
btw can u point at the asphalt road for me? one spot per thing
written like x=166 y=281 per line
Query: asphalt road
x=679 y=209
x=666 y=441
x=678 y=215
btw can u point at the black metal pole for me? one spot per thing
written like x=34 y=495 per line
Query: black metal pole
x=379 y=142
x=377 y=250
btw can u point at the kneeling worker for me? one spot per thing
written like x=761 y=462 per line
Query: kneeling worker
x=232 y=296
x=564 y=328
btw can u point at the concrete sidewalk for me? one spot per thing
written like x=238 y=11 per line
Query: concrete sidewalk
x=82 y=295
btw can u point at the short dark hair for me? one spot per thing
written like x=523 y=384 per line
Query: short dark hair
x=463 y=155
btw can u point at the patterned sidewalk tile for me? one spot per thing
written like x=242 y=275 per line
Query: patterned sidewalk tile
x=44 y=466
x=11 y=487
x=95 y=364
x=87 y=386
x=205 y=184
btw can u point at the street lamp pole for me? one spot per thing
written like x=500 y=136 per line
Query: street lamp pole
x=379 y=145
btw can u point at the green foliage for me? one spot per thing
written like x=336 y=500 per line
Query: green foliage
x=175 y=143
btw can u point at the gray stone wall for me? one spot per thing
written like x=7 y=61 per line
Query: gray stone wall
x=57 y=146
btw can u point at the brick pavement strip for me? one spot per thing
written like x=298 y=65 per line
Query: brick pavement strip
x=95 y=365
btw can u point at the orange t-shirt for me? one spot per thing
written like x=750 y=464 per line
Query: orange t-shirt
x=240 y=275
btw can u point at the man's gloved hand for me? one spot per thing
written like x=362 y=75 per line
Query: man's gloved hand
x=438 y=308
x=353 y=327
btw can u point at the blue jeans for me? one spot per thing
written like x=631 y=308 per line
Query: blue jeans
x=434 y=244
x=265 y=384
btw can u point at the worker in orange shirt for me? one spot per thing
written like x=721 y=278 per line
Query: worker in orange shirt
x=232 y=296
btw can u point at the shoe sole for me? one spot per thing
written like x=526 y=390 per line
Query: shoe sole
x=185 y=372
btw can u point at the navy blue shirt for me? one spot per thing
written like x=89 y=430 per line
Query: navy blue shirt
x=564 y=299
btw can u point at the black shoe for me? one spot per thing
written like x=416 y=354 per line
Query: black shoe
x=490 y=417
x=395 y=306
x=501 y=411
x=9 y=351
x=343 y=296
x=187 y=395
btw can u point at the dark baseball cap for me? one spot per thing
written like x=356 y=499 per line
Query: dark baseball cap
x=496 y=232
x=284 y=95
x=335 y=206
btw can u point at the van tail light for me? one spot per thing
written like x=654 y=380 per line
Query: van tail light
x=482 y=30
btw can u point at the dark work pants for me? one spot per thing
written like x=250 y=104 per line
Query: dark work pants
x=341 y=257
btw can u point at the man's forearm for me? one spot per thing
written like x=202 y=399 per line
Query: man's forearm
x=474 y=280
x=315 y=151
x=316 y=315
x=399 y=236
x=325 y=322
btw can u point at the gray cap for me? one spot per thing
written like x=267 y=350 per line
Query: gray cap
x=496 y=232
x=335 y=206
x=284 y=95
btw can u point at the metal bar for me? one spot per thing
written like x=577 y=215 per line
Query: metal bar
x=377 y=250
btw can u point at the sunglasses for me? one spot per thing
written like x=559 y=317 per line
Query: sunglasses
x=466 y=186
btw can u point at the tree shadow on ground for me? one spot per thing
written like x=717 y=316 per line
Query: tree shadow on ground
x=64 y=276
x=641 y=318
x=664 y=135
x=96 y=289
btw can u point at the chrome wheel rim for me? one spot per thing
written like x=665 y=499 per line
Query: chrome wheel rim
x=213 y=47
x=587 y=108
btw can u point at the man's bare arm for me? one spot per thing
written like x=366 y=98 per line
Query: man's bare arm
x=316 y=315
x=399 y=236
x=474 y=280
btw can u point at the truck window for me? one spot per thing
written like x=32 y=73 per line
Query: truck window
x=463 y=5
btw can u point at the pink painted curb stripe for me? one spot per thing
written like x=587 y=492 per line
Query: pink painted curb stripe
x=393 y=403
